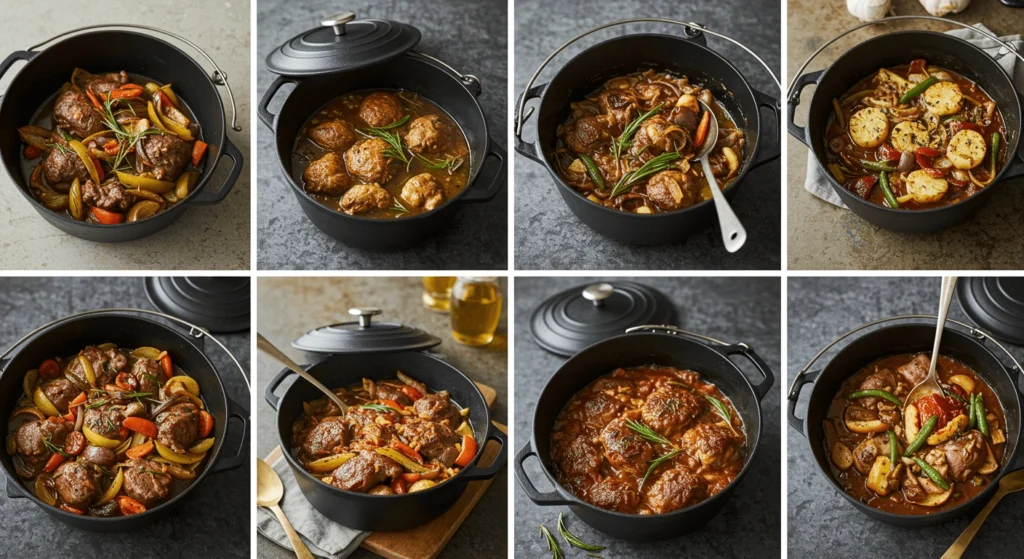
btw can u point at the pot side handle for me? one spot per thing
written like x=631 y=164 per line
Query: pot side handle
x=265 y=115
x=542 y=499
x=14 y=491
x=774 y=149
x=524 y=147
x=1015 y=168
x=794 y=396
x=210 y=197
x=488 y=472
x=803 y=81
x=15 y=56
x=268 y=394
x=760 y=388
x=241 y=455
x=492 y=176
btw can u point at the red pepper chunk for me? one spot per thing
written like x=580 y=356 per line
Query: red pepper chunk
x=887 y=153
x=946 y=408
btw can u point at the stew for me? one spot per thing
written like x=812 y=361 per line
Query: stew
x=915 y=137
x=919 y=457
x=396 y=437
x=381 y=154
x=110 y=431
x=648 y=440
x=632 y=144
x=112 y=148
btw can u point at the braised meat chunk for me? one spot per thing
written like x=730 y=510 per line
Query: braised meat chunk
x=110 y=196
x=423 y=190
x=438 y=407
x=327 y=175
x=381 y=108
x=60 y=392
x=676 y=489
x=78 y=483
x=326 y=438
x=75 y=114
x=165 y=155
x=365 y=197
x=427 y=134
x=61 y=166
x=146 y=481
x=364 y=471
x=29 y=437
x=178 y=427
x=368 y=160
x=336 y=135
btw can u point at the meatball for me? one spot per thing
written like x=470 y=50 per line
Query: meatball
x=381 y=108
x=625 y=448
x=110 y=196
x=363 y=471
x=676 y=489
x=166 y=154
x=585 y=134
x=669 y=408
x=105 y=421
x=148 y=373
x=75 y=113
x=61 y=166
x=423 y=190
x=580 y=458
x=30 y=436
x=427 y=134
x=78 y=483
x=365 y=197
x=710 y=443
x=178 y=426
x=146 y=481
x=433 y=440
x=671 y=190
x=598 y=410
x=60 y=392
x=326 y=176
x=367 y=161
x=333 y=134
x=326 y=438
x=612 y=493
x=438 y=407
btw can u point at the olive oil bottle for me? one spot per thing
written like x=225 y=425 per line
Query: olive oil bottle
x=475 y=310
x=437 y=292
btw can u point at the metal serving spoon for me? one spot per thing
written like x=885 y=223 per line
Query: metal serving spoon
x=269 y=491
x=733 y=233
x=1010 y=483
x=270 y=349
x=930 y=385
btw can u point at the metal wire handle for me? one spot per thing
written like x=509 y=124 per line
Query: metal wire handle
x=467 y=79
x=522 y=118
x=219 y=77
x=676 y=331
x=1011 y=48
x=972 y=330
x=194 y=331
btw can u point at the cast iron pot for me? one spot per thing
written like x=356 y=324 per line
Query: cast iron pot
x=112 y=51
x=67 y=337
x=908 y=338
x=393 y=512
x=631 y=350
x=631 y=53
x=890 y=50
x=412 y=72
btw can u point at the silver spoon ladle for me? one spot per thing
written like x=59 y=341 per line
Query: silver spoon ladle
x=271 y=350
x=930 y=385
x=733 y=233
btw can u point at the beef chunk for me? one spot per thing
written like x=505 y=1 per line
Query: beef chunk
x=381 y=108
x=105 y=421
x=166 y=154
x=710 y=443
x=78 y=483
x=676 y=489
x=625 y=448
x=146 y=482
x=333 y=134
x=367 y=161
x=365 y=470
x=965 y=455
x=148 y=373
x=864 y=454
x=585 y=134
x=621 y=104
x=30 y=436
x=612 y=493
x=915 y=371
x=75 y=114
x=671 y=190
x=580 y=458
x=102 y=84
x=62 y=166
x=423 y=190
x=427 y=134
x=178 y=426
x=326 y=438
x=438 y=407
x=365 y=197
x=669 y=408
x=390 y=390
x=105 y=365
x=433 y=440
x=326 y=175
x=657 y=135
x=881 y=379
x=60 y=392
x=110 y=196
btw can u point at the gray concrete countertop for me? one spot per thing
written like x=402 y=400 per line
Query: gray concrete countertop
x=204 y=238
x=471 y=37
x=733 y=310
x=212 y=521
x=820 y=519
x=548 y=235
x=288 y=307
x=822 y=236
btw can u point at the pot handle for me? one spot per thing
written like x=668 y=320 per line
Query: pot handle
x=208 y=197
x=523 y=147
x=14 y=57
x=268 y=393
x=241 y=455
x=469 y=81
x=265 y=115
x=14 y=491
x=493 y=176
x=760 y=388
x=1016 y=167
x=488 y=472
x=773 y=150
x=542 y=499
x=799 y=132
x=801 y=379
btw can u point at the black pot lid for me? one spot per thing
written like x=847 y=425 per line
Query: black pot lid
x=342 y=43
x=581 y=316
x=995 y=304
x=365 y=336
x=218 y=304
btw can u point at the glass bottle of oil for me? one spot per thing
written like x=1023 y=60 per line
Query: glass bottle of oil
x=475 y=310
x=437 y=292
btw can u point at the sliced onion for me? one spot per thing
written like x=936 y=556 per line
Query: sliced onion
x=975 y=180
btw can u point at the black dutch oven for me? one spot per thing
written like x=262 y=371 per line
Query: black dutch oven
x=643 y=345
x=906 y=338
x=687 y=55
x=111 y=51
x=346 y=56
x=124 y=327
x=376 y=352
x=899 y=48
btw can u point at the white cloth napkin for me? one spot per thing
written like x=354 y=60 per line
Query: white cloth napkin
x=817 y=183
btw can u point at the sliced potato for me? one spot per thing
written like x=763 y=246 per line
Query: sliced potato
x=643 y=210
x=998 y=437
x=990 y=464
x=869 y=127
x=924 y=188
x=963 y=381
x=732 y=158
x=943 y=98
x=841 y=456
x=577 y=166
x=189 y=383
x=870 y=426
x=967 y=149
x=911 y=422
x=421 y=485
x=955 y=425
x=936 y=499
x=909 y=135
x=878 y=477
x=888 y=76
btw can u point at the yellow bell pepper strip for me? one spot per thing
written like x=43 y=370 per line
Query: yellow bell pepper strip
x=90 y=375
x=202 y=446
x=186 y=458
x=146 y=351
x=87 y=159
x=145 y=183
x=185 y=183
x=43 y=492
x=30 y=381
x=166 y=89
x=112 y=491
x=43 y=403
x=179 y=472
x=99 y=440
x=188 y=382
x=181 y=131
x=154 y=118
x=403 y=460
x=329 y=463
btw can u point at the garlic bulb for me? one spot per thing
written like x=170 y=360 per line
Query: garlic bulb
x=942 y=7
x=869 y=10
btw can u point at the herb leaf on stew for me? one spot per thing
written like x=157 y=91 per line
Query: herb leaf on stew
x=722 y=410
x=646 y=432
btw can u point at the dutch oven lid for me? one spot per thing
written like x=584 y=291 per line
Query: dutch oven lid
x=218 y=304
x=342 y=43
x=365 y=336
x=996 y=305
x=576 y=318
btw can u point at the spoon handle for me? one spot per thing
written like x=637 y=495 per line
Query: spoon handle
x=301 y=551
x=270 y=349
x=945 y=298
x=733 y=233
x=958 y=548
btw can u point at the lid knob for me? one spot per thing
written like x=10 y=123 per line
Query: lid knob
x=364 y=314
x=598 y=292
x=338 y=21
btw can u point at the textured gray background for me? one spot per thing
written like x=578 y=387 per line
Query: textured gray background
x=212 y=521
x=730 y=309
x=820 y=310
x=288 y=307
x=548 y=235
x=472 y=37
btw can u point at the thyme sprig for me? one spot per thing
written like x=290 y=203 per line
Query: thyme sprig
x=54 y=448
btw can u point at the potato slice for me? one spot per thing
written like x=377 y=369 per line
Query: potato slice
x=577 y=166
x=924 y=188
x=869 y=127
x=943 y=98
x=878 y=477
x=967 y=149
x=936 y=499
x=963 y=381
x=955 y=425
x=910 y=421
x=861 y=420
x=888 y=76
x=990 y=465
x=909 y=135
x=997 y=436
x=841 y=456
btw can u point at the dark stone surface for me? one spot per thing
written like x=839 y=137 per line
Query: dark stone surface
x=733 y=310
x=212 y=521
x=548 y=235
x=820 y=519
x=470 y=36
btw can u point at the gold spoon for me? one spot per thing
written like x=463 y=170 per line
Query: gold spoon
x=270 y=349
x=269 y=491
x=1010 y=483
x=930 y=385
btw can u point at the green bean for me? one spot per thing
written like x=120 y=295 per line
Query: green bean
x=922 y=435
x=932 y=473
x=894 y=449
x=883 y=183
x=875 y=394
x=876 y=165
x=995 y=152
x=592 y=170
x=918 y=89
x=973 y=413
x=982 y=420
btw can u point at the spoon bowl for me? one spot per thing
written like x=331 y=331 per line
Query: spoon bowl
x=269 y=491
x=734 y=235
x=1010 y=483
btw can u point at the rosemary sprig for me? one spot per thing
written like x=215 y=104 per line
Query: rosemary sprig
x=54 y=448
x=722 y=410
x=111 y=425
x=451 y=163
x=97 y=404
x=626 y=138
x=395 y=148
x=396 y=123
x=398 y=207
x=657 y=462
x=126 y=139
x=378 y=408
x=573 y=540
x=654 y=165
x=646 y=432
x=130 y=395
x=556 y=550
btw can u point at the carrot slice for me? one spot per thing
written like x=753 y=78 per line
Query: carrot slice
x=71 y=509
x=32 y=152
x=140 y=425
x=74 y=444
x=130 y=506
x=95 y=102
x=468 y=451
x=412 y=393
x=205 y=424
x=49 y=369
x=140 y=450
x=198 y=151
x=168 y=366
x=106 y=217
x=56 y=460
x=123 y=93
x=702 y=129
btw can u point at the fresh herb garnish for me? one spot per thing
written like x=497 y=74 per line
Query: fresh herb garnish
x=657 y=462
x=129 y=395
x=654 y=165
x=378 y=408
x=398 y=207
x=395 y=148
x=573 y=540
x=126 y=139
x=722 y=410
x=111 y=425
x=556 y=550
x=450 y=163
x=97 y=404
x=646 y=432
x=54 y=448
x=396 y=123
x=626 y=138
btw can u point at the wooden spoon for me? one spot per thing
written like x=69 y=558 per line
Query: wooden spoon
x=270 y=349
x=1010 y=483
x=930 y=385
x=269 y=491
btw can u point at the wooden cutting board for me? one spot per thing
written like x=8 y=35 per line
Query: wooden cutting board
x=427 y=541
